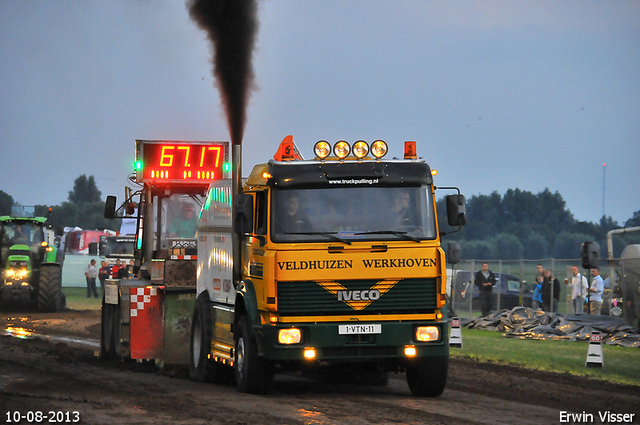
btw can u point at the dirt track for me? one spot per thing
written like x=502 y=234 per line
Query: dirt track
x=51 y=374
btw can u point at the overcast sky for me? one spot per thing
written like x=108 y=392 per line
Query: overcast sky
x=498 y=94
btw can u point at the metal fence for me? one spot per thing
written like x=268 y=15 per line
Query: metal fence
x=516 y=279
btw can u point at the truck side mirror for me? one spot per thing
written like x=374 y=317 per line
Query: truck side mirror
x=456 y=212
x=590 y=255
x=243 y=221
x=110 y=207
x=453 y=252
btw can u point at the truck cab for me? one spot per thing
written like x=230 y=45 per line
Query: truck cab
x=340 y=264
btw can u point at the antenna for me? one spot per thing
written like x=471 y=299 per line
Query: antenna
x=604 y=170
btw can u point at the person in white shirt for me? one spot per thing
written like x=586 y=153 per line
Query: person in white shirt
x=595 y=292
x=91 y=272
x=579 y=290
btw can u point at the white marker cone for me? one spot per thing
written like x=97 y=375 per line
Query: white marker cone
x=594 y=356
x=455 y=339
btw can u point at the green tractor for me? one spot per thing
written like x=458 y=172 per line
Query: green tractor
x=30 y=263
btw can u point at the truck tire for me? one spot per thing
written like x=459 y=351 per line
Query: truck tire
x=428 y=378
x=253 y=374
x=50 y=289
x=201 y=368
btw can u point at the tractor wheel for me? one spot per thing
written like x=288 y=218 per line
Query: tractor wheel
x=253 y=373
x=50 y=289
x=428 y=378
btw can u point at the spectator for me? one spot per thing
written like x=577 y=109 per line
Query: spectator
x=595 y=292
x=536 y=301
x=91 y=272
x=579 y=289
x=550 y=292
x=485 y=280
x=123 y=273
x=103 y=274
x=115 y=268
x=132 y=265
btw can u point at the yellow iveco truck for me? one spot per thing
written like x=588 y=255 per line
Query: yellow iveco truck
x=333 y=261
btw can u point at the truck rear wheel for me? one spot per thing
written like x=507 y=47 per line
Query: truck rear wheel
x=110 y=338
x=428 y=378
x=50 y=289
x=253 y=374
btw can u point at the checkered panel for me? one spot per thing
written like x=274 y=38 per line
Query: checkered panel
x=140 y=297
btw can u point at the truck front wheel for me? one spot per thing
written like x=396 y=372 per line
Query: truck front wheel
x=202 y=368
x=50 y=297
x=253 y=373
x=428 y=378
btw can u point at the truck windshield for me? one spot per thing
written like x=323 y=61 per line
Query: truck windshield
x=352 y=214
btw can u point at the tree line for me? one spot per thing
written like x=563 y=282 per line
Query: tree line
x=84 y=207
x=521 y=224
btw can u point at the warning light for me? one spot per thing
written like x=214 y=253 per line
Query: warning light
x=410 y=150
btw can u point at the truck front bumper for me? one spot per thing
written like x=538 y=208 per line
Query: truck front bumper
x=16 y=292
x=329 y=345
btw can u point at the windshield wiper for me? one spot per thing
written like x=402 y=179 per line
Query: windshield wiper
x=390 y=232
x=325 y=234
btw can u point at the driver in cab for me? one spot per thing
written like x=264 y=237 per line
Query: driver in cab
x=400 y=210
x=185 y=225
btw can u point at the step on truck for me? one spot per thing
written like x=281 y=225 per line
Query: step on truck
x=333 y=262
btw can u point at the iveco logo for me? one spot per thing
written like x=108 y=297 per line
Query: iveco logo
x=366 y=295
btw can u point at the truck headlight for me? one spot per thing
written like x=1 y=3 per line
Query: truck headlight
x=427 y=333
x=341 y=149
x=289 y=336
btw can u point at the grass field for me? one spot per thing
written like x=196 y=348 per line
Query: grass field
x=77 y=298
x=621 y=364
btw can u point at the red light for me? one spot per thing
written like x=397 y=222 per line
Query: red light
x=410 y=150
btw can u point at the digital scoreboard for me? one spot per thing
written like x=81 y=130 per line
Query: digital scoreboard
x=180 y=162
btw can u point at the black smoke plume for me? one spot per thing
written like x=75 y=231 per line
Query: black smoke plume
x=231 y=26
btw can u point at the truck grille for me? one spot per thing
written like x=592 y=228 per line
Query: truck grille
x=309 y=298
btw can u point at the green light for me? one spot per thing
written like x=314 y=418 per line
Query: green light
x=137 y=165
x=227 y=166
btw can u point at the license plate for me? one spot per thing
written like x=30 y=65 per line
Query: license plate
x=359 y=329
